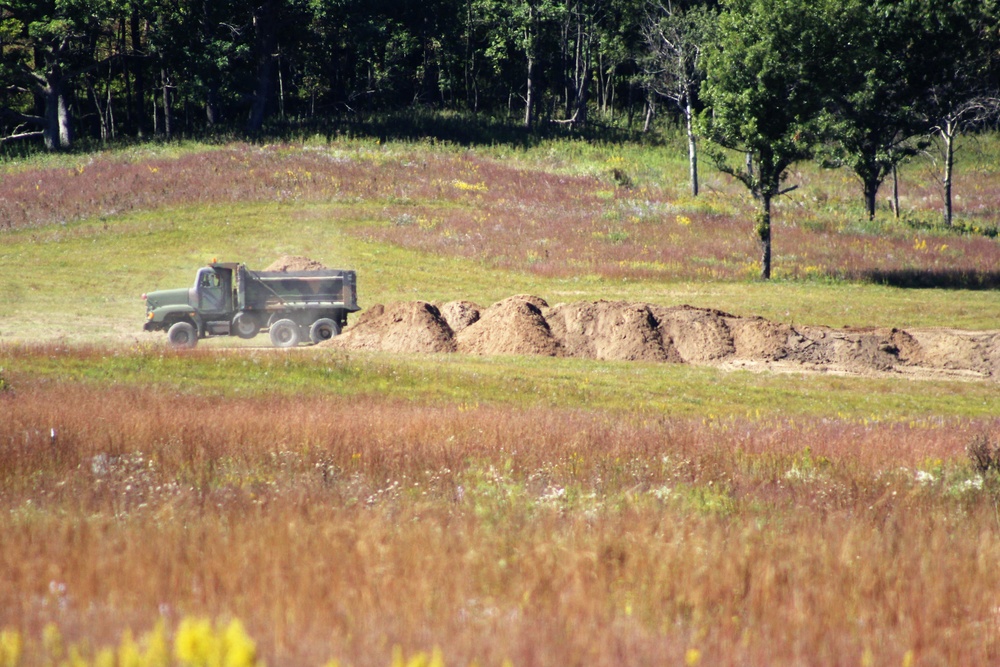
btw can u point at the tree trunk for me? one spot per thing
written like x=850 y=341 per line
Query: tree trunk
x=764 y=235
x=56 y=129
x=265 y=23
x=581 y=73
x=50 y=132
x=65 y=129
x=467 y=61
x=529 y=101
x=167 y=124
x=871 y=196
x=895 y=192
x=139 y=97
x=212 y=105
x=101 y=117
x=949 y=165
x=529 y=49
x=692 y=146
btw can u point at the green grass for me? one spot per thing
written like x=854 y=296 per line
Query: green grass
x=82 y=281
x=629 y=388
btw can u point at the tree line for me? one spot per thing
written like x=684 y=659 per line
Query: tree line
x=110 y=68
x=863 y=84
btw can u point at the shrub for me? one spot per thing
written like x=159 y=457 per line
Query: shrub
x=984 y=454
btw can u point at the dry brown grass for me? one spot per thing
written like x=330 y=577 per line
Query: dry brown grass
x=340 y=527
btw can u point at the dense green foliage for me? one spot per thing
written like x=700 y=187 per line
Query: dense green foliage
x=112 y=68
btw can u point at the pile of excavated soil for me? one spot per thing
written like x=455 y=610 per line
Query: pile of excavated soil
x=699 y=335
x=402 y=327
x=515 y=325
x=977 y=352
x=618 y=330
x=609 y=330
x=287 y=263
x=460 y=314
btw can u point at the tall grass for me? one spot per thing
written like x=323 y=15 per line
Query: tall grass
x=341 y=527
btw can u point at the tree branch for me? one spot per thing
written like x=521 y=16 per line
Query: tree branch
x=21 y=135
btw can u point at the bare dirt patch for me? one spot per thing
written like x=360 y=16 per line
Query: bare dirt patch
x=626 y=331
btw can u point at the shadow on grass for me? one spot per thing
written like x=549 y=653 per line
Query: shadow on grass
x=933 y=278
x=464 y=129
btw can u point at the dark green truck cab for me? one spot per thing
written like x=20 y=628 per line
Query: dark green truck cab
x=228 y=299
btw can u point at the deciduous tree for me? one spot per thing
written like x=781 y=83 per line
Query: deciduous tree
x=885 y=62
x=46 y=43
x=766 y=77
x=963 y=92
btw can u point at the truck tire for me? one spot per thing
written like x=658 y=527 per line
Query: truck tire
x=285 y=333
x=182 y=336
x=246 y=326
x=323 y=329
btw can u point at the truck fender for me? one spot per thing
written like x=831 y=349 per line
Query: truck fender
x=174 y=313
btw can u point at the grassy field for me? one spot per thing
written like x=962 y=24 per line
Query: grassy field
x=236 y=505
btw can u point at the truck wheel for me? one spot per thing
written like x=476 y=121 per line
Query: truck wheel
x=182 y=335
x=285 y=333
x=245 y=326
x=323 y=329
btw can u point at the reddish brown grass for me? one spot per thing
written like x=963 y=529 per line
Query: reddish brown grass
x=510 y=216
x=342 y=527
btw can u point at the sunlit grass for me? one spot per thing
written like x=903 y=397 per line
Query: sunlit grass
x=653 y=389
x=541 y=511
x=342 y=526
x=82 y=281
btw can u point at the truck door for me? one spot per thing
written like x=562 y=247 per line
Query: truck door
x=215 y=292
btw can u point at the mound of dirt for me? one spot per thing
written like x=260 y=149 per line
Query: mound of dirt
x=618 y=330
x=759 y=339
x=699 y=335
x=460 y=314
x=402 y=327
x=287 y=263
x=950 y=349
x=852 y=350
x=609 y=330
x=512 y=326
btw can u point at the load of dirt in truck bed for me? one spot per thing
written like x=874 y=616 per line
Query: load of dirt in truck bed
x=618 y=330
x=287 y=263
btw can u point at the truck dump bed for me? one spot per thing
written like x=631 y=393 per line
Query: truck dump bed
x=268 y=290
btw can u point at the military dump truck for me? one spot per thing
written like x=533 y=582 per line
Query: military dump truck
x=228 y=299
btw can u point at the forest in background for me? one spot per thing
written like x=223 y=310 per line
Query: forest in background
x=105 y=69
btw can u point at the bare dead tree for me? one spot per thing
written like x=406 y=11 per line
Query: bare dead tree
x=675 y=37
x=952 y=121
